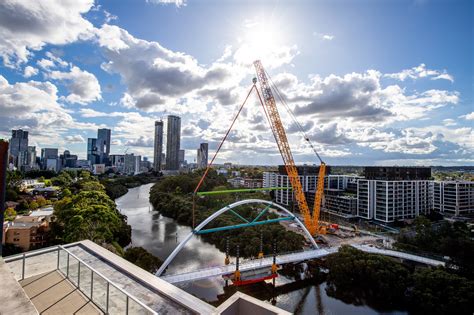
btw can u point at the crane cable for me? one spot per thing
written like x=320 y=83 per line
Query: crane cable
x=292 y=115
x=217 y=151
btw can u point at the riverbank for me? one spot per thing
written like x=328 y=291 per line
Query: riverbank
x=172 y=197
x=118 y=186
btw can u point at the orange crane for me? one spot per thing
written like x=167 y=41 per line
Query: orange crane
x=311 y=220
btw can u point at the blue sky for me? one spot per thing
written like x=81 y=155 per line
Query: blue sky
x=372 y=82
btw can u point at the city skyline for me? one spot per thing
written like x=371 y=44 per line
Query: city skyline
x=406 y=100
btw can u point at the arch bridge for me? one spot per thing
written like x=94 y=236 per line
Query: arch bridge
x=288 y=216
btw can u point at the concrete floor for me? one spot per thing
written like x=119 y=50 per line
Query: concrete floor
x=51 y=293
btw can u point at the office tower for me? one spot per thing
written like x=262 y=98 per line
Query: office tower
x=68 y=160
x=173 y=142
x=19 y=147
x=453 y=198
x=92 y=151
x=31 y=157
x=103 y=145
x=202 y=155
x=49 y=159
x=158 y=148
x=181 y=157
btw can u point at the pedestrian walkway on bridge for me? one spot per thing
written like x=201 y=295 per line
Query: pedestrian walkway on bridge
x=291 y=258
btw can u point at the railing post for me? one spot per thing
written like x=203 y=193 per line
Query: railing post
x=126 y=308
x=67 y=266
x=23 y=268
x=107 y=299
x=79 y=275
x=92 y=283
x=59 y=250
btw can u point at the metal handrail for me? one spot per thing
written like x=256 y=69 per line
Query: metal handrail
x=108 y=280
x=57 y=249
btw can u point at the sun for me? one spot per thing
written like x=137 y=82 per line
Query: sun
x=259 y=40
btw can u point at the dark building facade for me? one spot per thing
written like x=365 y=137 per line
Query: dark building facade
x=158 y=147
x=397 y=173
x=304 y=170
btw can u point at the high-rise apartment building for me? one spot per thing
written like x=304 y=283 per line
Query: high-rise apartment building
x=202 y=155
x=454 y=198
x=19 y=147
x=181 y=157
x=31 y=157
x=158 y=147
x=103 y=145
x=392 y=200
x=173 y=138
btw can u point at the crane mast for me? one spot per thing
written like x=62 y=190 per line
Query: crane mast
x=284 y=147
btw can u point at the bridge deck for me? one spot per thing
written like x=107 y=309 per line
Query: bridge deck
x=289 y=258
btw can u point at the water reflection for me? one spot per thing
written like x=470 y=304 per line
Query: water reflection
x=293 y=291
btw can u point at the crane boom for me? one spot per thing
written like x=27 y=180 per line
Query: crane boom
x=284 y=147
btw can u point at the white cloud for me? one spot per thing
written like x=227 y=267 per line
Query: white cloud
x=74 y=139
x=27 y=26
x=142 y=141
x=421 y=72
x=469 y=116
x=153 y=74
x=83 y=86
x=449 y=122
x=177 y=3
x=30 y=71
x=324 y=36
x=90 y=113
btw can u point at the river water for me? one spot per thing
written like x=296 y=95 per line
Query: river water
x=160 y=235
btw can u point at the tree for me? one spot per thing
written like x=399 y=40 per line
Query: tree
x=142 y=258
x=33 y=205
x=41 y=201
x=10 y=214
x=14 y=179
x=11 y=195
x=436 y=291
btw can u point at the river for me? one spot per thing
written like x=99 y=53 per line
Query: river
x=160 y=235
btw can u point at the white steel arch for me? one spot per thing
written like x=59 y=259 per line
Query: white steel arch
x=218 y=213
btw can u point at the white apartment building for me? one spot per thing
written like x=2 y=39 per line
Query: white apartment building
x=454 y=198
x=285 y=196
x=391 y=200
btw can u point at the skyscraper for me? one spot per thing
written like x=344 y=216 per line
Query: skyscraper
x=173 y=138
x=92 y=151
x=103 y=145
x=202 y=154
x=49 y=159
x=158 y=149
x=19 y=147
x=181 y=157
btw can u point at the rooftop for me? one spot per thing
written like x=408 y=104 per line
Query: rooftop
x=86 y=278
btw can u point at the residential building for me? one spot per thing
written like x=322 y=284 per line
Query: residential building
x=98 y=169
x=392 y=200
x=453 y=198
x=84 y=164
x=397 y=173
x=132 y=164
x=118 y=162
x=202 y=155
x=173 y=138
x=251 y=183
x=26 y=232
x=103 y=145
x=18 y=147
x=158 y=146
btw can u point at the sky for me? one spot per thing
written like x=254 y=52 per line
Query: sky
x=370 y=82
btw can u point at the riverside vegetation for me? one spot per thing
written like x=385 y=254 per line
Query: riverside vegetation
x=86 y=211
x=172 y=197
